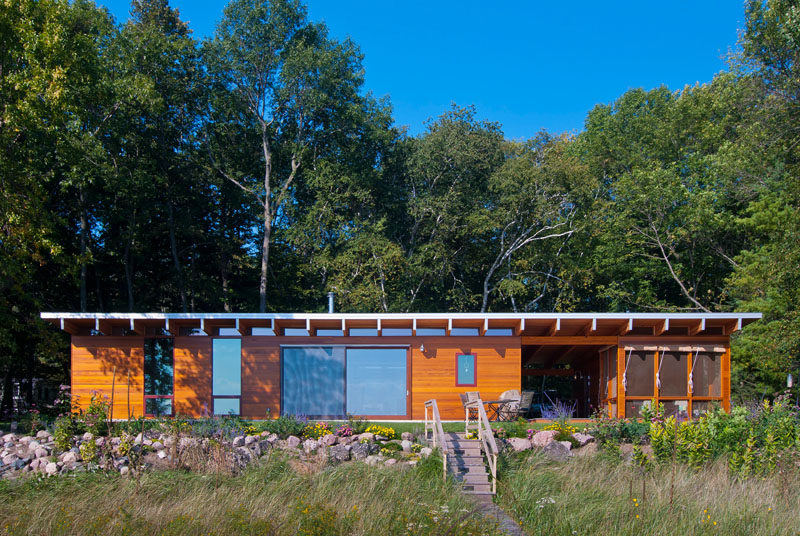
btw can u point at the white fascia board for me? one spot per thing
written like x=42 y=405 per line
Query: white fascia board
x=398 y=316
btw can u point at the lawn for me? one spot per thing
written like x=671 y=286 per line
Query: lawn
x=277 y=496
x=598 y=495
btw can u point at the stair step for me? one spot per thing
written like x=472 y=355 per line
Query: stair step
x=466 y=463
x=473 y=479
x=477 y=488
x=475 y=470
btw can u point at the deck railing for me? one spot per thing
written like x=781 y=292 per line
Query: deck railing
x=434 y=425
x=486 y=436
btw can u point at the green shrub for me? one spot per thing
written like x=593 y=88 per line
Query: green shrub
x=285 y=426
x=612 y=431
x=65 y=428
x=89 y=451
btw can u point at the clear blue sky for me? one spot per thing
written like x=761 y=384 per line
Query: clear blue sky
x=528 y=64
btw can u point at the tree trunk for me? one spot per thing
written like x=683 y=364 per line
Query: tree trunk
x=129 y=264
x=262 y=287
x=83 y=247
x=226 y=305
x=175 y=259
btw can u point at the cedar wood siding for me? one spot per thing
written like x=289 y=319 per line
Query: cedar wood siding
x=94 y=360
x=192 y=376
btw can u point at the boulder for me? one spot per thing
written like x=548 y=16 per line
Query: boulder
x=360 y=451
x=310 y=444
x=543 y=438
x=249 y=440
x=25 y=439
x=51 y=468
x=373 y=459
x=390 y=461
x=187 y=442
x=8 y=438
x=272 y=438
x=42 y=434
x=10 y=459
x=168 y=441
x=87 y=436
x=425 y=452
x=20 y=463
x=292 y=442
x=264 y=445
x=41 y=452
x=406 y=444
x=100 y=442
x=583 y=439
x=327 y=440
x=124 y=470
x=366 y=436
x=255 y=449
x=407 y=436
x=115 y=441
x=518 y=444
x=556 y=451
x=242 y=457
x=238 y=441
x=138 y=439
x=157 y=445
x=33 y=445
x=566 y=444
x=339 y=453
x=162 y=454
x=147 y=442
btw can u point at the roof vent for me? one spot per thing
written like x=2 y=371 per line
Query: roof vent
x=330 y=301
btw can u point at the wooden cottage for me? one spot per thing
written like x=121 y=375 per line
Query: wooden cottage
x=385 y=366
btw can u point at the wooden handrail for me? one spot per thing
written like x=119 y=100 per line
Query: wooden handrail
x=488 y=443
x=437 y=433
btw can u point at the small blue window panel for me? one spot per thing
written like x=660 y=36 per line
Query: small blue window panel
x=499 y=332
x=430 y=332
x=465 y=370
x=464 y=332
x=396 y=332
x=329 y=333
x=295 y=332
x=363 y=332
x=226 y=406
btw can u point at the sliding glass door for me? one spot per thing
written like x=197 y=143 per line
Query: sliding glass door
x=376 y=381
x=334 y=381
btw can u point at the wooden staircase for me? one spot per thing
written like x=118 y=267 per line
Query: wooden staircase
x=467 y=464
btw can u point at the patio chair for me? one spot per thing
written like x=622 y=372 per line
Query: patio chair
x=511 y=410
x=525 y=404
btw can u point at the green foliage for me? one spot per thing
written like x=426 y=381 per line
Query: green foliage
x=89 y=451
x=285 y=426
x=316 y=430
x=95 y=417
x=610 y=432
x=65 y=428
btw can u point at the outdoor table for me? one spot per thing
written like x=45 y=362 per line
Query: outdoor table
x=495 y=407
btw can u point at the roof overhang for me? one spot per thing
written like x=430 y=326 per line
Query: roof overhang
x=533 y=325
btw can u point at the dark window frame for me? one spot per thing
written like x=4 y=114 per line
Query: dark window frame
x=241 y=367
x=145 y=396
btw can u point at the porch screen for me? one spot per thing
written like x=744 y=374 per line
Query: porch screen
x=376 y=381
x=312 y=381
x=641 y=374
x=706 y=374
x=673 y=374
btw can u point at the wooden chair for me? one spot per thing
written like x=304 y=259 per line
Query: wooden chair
x=525 y=403
x=510 y=410
x=469 y=401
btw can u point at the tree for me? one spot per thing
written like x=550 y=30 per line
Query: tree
x=281 y=87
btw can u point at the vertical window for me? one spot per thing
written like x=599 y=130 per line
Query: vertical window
x=312 y=381
x=707 y=374
x=376 y=381
x=465 y=370
x=673 y=374
x=158 y=376
x=227 y=376
x=641 y=375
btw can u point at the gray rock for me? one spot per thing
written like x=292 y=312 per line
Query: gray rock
x=327 y=440
x=8 y=438
x=366 y=436
x=88 y=437
x=25 y=439
x=566 y=444
x=292 y=442
x=138 y=439
x=407 y=436
x=583 y=439
x=10 y=459
x=115 y=441
x=8 y=445
x=41 y=452
x=51 y=468
x=187 y=442
x=147 y=442
x=390 y=461
x=272 y=438
x=406 y=444
x=42 y=434
x=238 y=441
x=412 y=463
x=543 y=438
x=339 y=453
x=310 y=444
x=100 y=441
x=556 y=451
x=33 y=445
x=518 y=444
x=249 y=440
x=373 y=459
x=359 y=451
x=20 y=463
x=425 y=452
x=264 y=445
x=124 y=470
x=157 y=445
x=255 y=449
x=162 y=454
x=168 y=441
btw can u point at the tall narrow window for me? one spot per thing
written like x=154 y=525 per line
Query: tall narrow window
x=158 y=376
x=227 y=376
x=465 y=370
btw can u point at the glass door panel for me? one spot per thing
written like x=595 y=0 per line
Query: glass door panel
x=376 y=381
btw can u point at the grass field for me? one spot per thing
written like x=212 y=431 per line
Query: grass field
x=278 y=496
x=594 y=495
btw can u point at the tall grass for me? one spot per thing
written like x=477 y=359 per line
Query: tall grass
x=598 y=495
x=277 y=496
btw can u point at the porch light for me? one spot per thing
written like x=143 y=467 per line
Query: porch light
x=422 y=349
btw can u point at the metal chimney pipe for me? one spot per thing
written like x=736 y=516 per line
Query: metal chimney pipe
x=330 y=301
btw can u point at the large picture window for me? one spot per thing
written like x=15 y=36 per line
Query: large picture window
x=158 y=376
x=227 y=376
x=640 y=374
x=376 y=381
x=312 y=381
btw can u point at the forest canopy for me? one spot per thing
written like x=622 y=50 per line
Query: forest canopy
x=144 y=170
